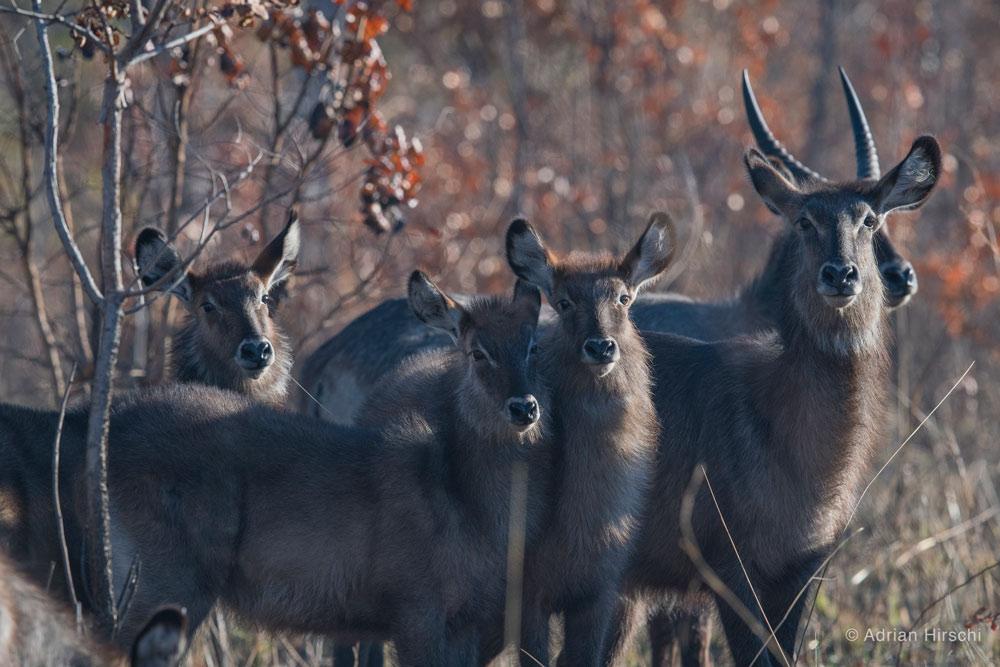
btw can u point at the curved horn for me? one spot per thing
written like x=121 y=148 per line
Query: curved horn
x=766 y=141
x=864 y=144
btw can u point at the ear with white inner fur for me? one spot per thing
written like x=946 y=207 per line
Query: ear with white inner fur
x=652 y=253
x=277 y=260
x=527 y=256
x=155 y=258
x=910 y=183
x=776 y=191
x=432 y=306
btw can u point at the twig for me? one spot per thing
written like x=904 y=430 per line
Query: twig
x=51 y=146
x=172 y=44
x=857 y=504
x=905 y=442
x=37 y=15
x=739 y=559
x=923 y=612
x=60 y=524
x=689 y=544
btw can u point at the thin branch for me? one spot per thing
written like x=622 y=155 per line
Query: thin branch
x=172 y=44
x=54 y=18
x=60 y=524
x=923 y=612
x=739 y=558
x=51 y=177
x=905 y=442
x=136 y=42
x=689 y=544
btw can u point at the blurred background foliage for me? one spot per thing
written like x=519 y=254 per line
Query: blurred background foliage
x=584 y=116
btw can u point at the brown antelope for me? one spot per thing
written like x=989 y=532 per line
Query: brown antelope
x=231 y=338
x=784 y=425
x=345 y=369
x=35 y=632
x=755 y=310
x=297 y=524
x=604 y=434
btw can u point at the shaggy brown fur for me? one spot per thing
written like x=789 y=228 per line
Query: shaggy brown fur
x=604 y=429
x=231 y=338
x=293 y=523
x=784 y=425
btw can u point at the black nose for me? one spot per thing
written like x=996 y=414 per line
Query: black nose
x=601 y=350
x=840 y=276
x=523 y=411
x=900 y=277
x=255 y=353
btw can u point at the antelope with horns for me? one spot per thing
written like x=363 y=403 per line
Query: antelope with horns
x=604 y=435
x=783 y=425
x=755 y=310
x=297 y=524
x=345 y=369
x=36 y=632
x=231 y=338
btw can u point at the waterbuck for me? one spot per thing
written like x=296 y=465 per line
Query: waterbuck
x=348 y=366
x=784 y=425
x=484 y=397
x=604 y=434
x=755 y=310
x=297 y=524
x=35 y=632
x=230 y=338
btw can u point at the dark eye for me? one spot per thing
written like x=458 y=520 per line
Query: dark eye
x=871 y=221
x=478 y=355
x=207 y=307
x=265 y=298
x=533 y=349
x=564 y=305
x=804 y=223
x=625 y=299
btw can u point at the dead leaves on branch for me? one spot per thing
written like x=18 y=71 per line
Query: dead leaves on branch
x=345 y=52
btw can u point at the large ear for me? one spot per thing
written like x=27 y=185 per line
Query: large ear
x=277 y=260
x=527 y=256
x=161 y=642
x=777 y=191
x=652 y=253
x=528 y=300
x=155 y=258
x=910 y=183
x=432 y=306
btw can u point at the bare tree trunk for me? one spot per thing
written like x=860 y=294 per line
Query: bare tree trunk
x=107 y=356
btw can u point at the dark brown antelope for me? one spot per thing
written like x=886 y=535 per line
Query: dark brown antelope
x=297 y=524
x=785 y=425
x=754 y=310
x=604 y=434
x=36 y=632
x=345 y=369
x=231 y=338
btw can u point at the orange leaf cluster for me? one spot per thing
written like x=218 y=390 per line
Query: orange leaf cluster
x=391 y=181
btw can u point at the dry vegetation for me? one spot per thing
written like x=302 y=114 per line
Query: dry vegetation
x=584 y=116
